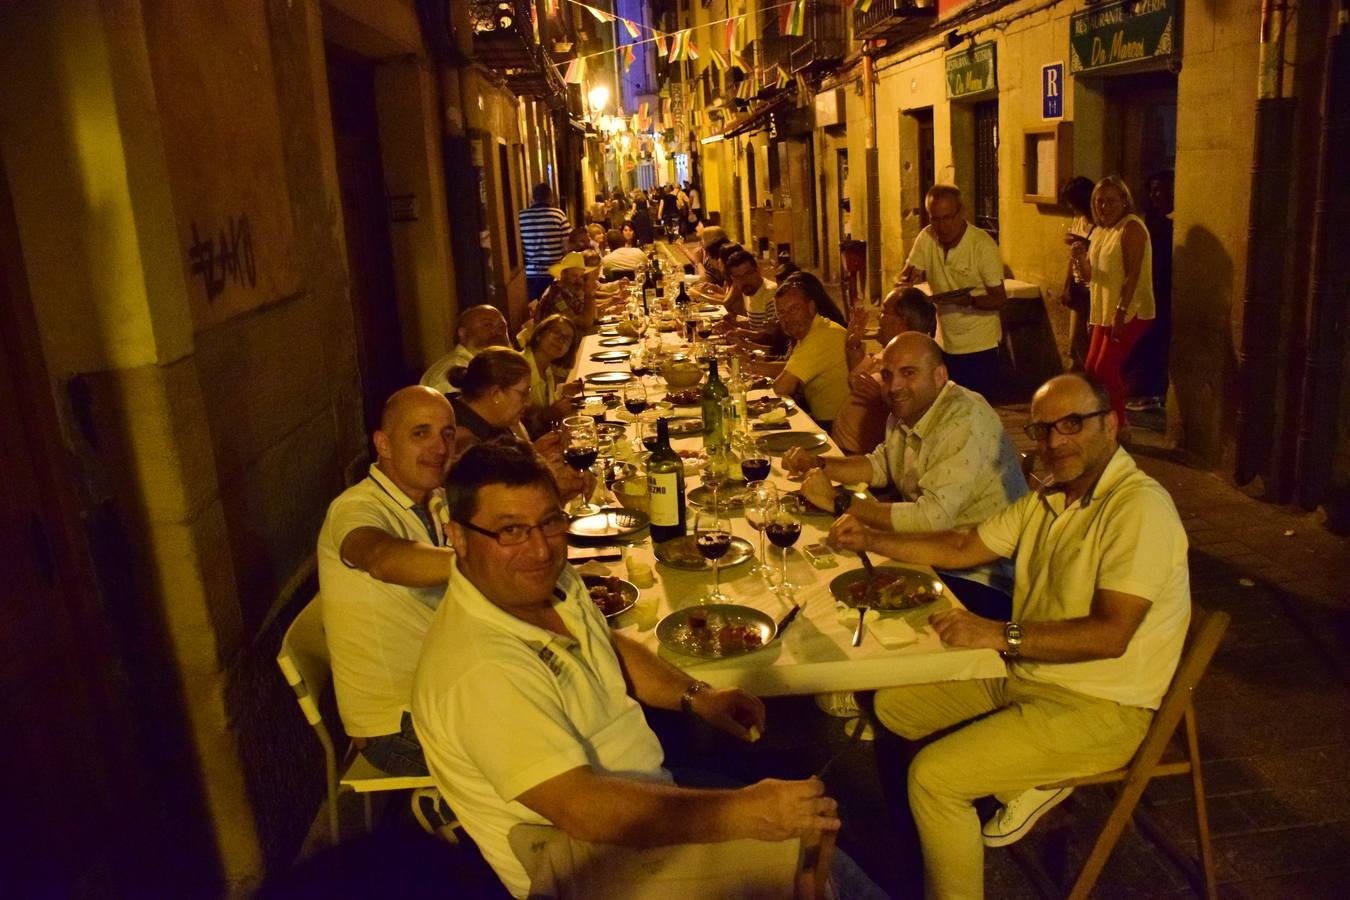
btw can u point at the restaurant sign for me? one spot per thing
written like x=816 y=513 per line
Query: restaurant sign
x=971 y=71
x=1120 y=33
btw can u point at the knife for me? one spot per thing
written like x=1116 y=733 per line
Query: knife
x=784 y=622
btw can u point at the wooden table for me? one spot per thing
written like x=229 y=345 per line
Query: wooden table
x=816 y=653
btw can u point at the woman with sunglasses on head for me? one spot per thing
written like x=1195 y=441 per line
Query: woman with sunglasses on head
x=552 y=345
x=495 y=391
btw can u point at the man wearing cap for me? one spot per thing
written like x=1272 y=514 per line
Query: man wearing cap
x=543 y=238
x=567 y=294
x=479 y=327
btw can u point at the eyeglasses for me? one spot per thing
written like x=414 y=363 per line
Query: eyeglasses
x=1070 y=424
x=517 y=534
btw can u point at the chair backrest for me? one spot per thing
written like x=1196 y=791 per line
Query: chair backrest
x=304 y=660
x=1206 y=631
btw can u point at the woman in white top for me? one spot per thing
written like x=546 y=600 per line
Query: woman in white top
x=1118 y=265
x=552 y=343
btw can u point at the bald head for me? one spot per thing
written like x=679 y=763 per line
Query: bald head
x=409 y=401
x=1077 y=430
x=482 y=326
x=917 y=346
x=1076 y=388
x=415 y=442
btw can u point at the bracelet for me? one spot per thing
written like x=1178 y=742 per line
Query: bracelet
x=687 y=698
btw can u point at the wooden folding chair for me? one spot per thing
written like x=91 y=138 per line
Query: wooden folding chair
x=304 y=662
x=1206 y=632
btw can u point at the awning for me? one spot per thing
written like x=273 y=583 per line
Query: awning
x=756 y=118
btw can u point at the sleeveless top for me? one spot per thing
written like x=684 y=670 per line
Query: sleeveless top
x=1107 y=258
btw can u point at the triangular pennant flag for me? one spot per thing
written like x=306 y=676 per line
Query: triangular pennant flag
x=574 y=71
x=782 y=77
x=717 y=59
x=628 y=57
x=631 y=27
x=731 y=36
x=660 y=43
x=803 y=89
x=600 y=14
x=691 y=50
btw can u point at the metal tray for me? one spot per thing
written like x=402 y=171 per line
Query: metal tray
x=781 y=442
x=627 y=588
x=682 y=553
x=610 y=522
x=609 y=377
x=676 y=633
x=686 y=426
x=915 y=581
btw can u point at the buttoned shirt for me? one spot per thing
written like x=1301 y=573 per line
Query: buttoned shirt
x=1123 y=535
x=501 y=706
x=956 y=467
x=374 y=629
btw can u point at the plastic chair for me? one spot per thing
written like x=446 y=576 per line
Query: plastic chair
x=304 y=662
x=1207 y=630
x=561 y=867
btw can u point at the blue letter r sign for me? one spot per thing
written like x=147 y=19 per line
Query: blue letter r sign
x=1052 y=91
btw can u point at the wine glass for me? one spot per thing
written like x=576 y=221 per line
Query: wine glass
x=755 y=465
x=712 y=532
x=580 y=452
x=761 y=502
x=635 y=401
x=783 y=530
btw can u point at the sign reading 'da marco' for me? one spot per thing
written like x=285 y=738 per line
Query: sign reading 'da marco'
x=971 y=71
x=1120 y=33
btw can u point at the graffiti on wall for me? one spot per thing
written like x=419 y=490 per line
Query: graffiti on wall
x=226 y=257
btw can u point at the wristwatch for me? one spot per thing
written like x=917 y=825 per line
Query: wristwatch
x=1012 y=633
x=843 y=499
x=687 y=698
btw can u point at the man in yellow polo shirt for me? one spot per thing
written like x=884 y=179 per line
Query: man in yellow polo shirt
x=1101 y=603
x=818 y=364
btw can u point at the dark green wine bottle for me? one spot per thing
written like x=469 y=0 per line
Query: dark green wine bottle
x=665 y=487
x=710 y=398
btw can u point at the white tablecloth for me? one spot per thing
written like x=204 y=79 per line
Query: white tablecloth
x=816 y=653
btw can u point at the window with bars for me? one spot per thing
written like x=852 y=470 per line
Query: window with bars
x=985 y=206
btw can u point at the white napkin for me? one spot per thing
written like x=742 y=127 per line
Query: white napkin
x=891 y=631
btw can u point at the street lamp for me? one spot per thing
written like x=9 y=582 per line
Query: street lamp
x=599 y=97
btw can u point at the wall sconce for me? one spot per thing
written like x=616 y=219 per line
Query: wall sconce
x=954 y=38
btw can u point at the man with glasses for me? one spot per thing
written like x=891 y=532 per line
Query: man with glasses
x=964 y=271
x=1100 y=611
x=527 y=703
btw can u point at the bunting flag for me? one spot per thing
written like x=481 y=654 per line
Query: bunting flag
x=600 y=14
x=642 y=117
x=631 y=27
x=574 y=71
x=717 y=59
x=744 y=89
x=863 y=6
x=628 y=57
x=660 y=43
x=732 y=46
x=803 y=89
x=679 y=46
x=782 y=77
x=691 y=49
x=793 y=19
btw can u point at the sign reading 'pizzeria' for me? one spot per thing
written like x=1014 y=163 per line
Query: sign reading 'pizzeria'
x=971 y=71
x=1121 y=33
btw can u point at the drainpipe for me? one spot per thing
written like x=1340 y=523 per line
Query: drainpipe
x=872 y=177
x=1267 y=243
x=1329 y=284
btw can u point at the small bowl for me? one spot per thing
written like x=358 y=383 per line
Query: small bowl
x=682 y=374
x=637 y=499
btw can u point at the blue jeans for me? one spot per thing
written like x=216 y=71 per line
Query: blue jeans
x=847 y=878
x=399 y=753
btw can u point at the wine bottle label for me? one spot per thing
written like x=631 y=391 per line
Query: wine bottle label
x=663 y=498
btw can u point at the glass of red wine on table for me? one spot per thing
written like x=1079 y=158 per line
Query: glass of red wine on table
x=635 y=401
x=580 y=451
x=712 y=532
x=755 y=463
x=783 y=529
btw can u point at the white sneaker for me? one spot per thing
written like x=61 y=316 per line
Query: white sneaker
x=840 y=704
x=1013 y=820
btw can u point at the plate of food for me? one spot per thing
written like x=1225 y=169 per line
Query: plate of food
x=610 y=400
x=617 y=341
x=682 y=553
x=716 y=630
x=693 y=461
x=730 y=495
x=610 y=356
x=759 y=407
x=610 y=378
x=612 y=595
x=898 y=588
x=783 y=441
x=686 y=397
x=685 y=426
x=610 y=522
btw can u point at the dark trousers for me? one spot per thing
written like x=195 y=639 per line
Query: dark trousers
x=977 y=371
x=535 y=285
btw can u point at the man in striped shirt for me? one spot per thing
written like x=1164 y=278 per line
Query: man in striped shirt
x=543 y=236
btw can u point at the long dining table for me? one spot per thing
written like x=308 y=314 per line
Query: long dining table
x=815 y=654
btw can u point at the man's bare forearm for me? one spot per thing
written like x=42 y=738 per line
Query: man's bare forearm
x=955 y=549
x=651 y=679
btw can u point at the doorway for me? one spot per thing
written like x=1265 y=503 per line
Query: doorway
x=926 y=158
x=365 y=221
x=986 y=166
x=1141 y=124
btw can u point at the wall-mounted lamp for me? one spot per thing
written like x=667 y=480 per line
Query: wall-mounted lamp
x=954 y=38
x=712 y=139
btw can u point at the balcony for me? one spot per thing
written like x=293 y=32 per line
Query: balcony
x=825 y=41
x=894 y=19
x=504 y=40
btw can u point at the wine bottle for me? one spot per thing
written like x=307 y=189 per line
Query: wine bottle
x=710 y=399
x=665 y=487
x=648 y=291
x=682 y=298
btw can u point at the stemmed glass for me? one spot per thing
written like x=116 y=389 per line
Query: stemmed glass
x=712 y=531
x=755 y=465
x=635 y=401
x=761 y=502
x=783 y=530
x=580 y=452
